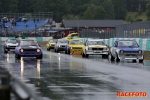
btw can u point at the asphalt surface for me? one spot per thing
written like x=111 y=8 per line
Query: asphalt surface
x=70 y=77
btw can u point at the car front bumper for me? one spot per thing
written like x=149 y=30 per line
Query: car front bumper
x=10 y=47
x=76 y=50
x=135 y=57
x=51 y=47
x=100 y=52
x=30 y=54
x=61 y=48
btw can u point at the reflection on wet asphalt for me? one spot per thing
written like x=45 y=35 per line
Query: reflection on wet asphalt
x=70 y=77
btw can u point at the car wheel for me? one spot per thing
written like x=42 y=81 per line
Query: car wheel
x=15 y=55
x=40 y=57
x=141 y=60
x=5 y=51
x=57 y=51
x=48 y=49
x=69 y=51
x=18 y=56
x=83 y=55
x=111 y=57
x=65 y=51
x=86 y=55
x=117 y=58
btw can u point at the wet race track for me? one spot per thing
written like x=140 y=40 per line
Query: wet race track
x=70 y=77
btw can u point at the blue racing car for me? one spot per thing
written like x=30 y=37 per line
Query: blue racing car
x=28 y=48
x=126 y=49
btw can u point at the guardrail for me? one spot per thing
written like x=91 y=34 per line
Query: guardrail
x=10 y=85
x=143 y=43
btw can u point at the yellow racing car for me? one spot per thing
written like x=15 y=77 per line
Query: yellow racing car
x=51 y=44
x=74 y=46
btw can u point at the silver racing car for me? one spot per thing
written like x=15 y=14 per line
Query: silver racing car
x=10 y=44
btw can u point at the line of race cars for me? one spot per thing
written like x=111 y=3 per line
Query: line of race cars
x=122 y=49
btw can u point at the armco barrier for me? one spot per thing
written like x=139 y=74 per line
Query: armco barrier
x=143 y=43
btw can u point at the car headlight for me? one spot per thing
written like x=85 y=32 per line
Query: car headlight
x=140 y=52
x=21 y=50
x=7 y=45
x=59 y=46
x=89 y=48
x=105 y=48
x=121 y=52
x=38 y=50
x=70 y=47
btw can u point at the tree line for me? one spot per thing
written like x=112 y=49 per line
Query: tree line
x=78 y=9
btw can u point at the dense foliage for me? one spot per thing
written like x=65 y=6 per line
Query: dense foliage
x=77 y=9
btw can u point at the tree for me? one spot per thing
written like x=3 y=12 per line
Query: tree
x=4 y=6
x=14 y=6
x=96 y=2
x=108 y=6
x=120 y=9
x=148 y=11
x=133 y=6
x=88 y=14
x=71 y=17
x=99 y=13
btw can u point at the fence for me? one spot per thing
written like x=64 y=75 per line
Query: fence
x=101 y=34
x=29 y=16
x=133 y=30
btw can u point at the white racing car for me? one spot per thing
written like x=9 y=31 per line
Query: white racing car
x=95 y=47
x=10 y=44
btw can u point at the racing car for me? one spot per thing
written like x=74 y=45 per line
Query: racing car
x=10 y=44
x=51 y=44
x=95 y=47
x=74 y=46
x=126 y=49
x=28 y=48
x=60 y=45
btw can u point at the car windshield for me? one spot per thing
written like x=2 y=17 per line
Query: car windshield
x=52 y=41
x=12 y=41
x=128 y=43
x=76 y=42
x=96 y=43
x=74 y=37
x=62 y=41
x=28 y=43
